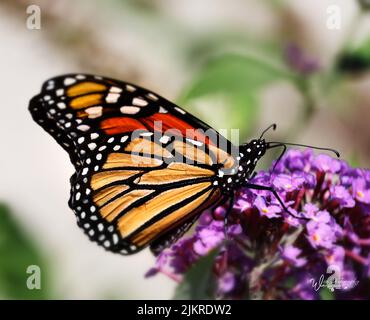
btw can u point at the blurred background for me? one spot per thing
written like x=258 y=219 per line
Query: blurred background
x=236 y=64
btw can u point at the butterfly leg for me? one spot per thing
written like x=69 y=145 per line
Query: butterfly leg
x=273 y=191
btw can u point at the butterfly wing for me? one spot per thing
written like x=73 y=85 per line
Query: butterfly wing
x=145 y=169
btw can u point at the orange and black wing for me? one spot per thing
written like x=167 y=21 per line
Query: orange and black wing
x=145 y=168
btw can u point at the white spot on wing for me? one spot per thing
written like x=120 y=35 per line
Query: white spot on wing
x=139 y=102
x=115 y=239
x=162 y=110
x=146 y=134
x=130 y=88
x=115 y=90
x=69 y=81
x=81 y=140
x=197 y=143
x=151 y=96
x=179 y=110
x=129 y=109
x=92 y=146
x=112 y=97
x=50 y=85
x=94 y=112
x=164 y=139
x=83 y=127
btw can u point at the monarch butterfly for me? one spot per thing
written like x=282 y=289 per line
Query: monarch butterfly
x=145 y=168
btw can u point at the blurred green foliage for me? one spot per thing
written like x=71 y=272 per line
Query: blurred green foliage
x=355 y=60
x=196 y=283
x=326 y=294
x=363 y=50
x=238 y=79
x=17 y=253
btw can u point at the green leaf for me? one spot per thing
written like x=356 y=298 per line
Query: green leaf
x=244 y=108
x=326 y=294
x=239 y=79
x=18 y=252
x=205 y=46
x=232 y=74
x=363 y=50
x=197 y=283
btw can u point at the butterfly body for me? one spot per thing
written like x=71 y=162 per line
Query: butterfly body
x=145 y=168
x=248 y=157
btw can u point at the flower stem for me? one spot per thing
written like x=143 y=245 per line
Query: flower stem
x=356 y=257
x=171 y=275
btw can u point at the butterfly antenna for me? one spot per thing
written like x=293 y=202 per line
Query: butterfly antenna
x=273 y=126
x=272 y=144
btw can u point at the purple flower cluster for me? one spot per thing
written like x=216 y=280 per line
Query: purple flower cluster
x=269 y=254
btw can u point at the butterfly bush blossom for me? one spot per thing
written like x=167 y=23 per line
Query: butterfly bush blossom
x=269 y=254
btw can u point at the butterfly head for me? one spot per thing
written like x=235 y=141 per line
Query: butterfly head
x=251 y=152
x=256 y=148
